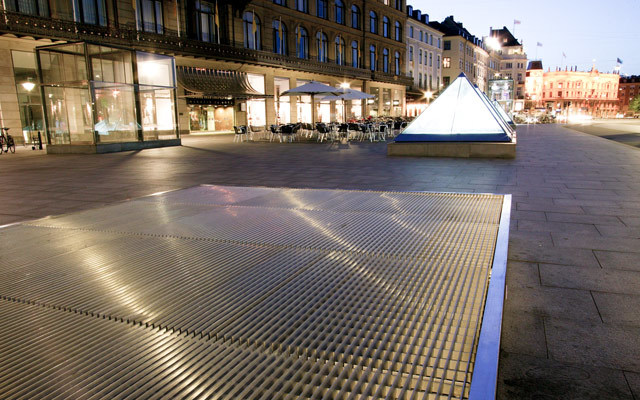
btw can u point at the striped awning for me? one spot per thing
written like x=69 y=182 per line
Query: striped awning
x=215 y=84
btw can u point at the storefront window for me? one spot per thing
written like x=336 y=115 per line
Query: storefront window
x=283 y=104
x=386 y=101
x=256 y=108
x=117 y=116
x=29 y=101
x=211 y=118
x=372 y=104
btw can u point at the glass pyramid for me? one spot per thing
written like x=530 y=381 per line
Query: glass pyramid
x=459 y=114
x=504 y=114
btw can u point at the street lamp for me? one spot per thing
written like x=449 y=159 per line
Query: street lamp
x=428 y=95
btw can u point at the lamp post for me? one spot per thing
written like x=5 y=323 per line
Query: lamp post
x=28 y=85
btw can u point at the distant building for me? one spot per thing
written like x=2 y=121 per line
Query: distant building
x=423 y=59
x=629 y=89
x=571 y=92
x=462 y=52
x=513 y=62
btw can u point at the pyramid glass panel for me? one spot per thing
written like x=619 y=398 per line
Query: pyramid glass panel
x=459 y=114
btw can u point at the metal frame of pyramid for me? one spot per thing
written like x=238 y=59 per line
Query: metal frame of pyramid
x=461 y=113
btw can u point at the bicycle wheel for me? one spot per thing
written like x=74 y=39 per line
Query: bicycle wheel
x=12 y=148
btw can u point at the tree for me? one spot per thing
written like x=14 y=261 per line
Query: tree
x=634 y=105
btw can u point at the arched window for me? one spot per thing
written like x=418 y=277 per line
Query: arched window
x=355 y=17
x=302 y=43
x=373 y=22
x=321 y=9
x=302 y=6
x=339 y=11
x=372 y=57
x=397 y=63
x=398 y=32
x=355 y=54
x=251 y=25
x=385 y=60
x=322 y=45
x=385 y=27
x=340 y=50
x=279 y=37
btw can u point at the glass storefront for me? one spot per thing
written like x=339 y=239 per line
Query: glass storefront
x=256 y=108
x=303 y=104
x=282 y=104
x=210 y=118
x=29 y=100
x=92 y=95
x=372 y=104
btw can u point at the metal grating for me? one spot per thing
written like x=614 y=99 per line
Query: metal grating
x=249 y=293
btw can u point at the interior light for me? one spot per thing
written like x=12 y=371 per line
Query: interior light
x=28 y=85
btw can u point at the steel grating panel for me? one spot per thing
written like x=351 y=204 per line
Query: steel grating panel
x=294 y=293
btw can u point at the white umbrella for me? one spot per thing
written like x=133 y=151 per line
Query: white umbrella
x=312 y=88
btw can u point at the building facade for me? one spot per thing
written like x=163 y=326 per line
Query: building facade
x=462 y=52
x=628 y=90
x=512 y=63
x=233 y=59
x=423 y=60
x=572 y=93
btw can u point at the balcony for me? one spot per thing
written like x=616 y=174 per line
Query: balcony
x=171 y=43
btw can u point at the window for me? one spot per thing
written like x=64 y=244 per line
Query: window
x=439 y=42
x=321 y=9
x=397 y=63
x=431 y=59
x=373 y=22
x=385 y=60
x=94 y=12
x=430 y=82
x=151 y=15
x=431 y=40
x=340 y=51
x=207 y=21
x=410 y=53
x=461 y=48
x=519 y=77
x=397 y=4
x=438 y=63
x=420 y=57
x=339 y=11
x=355 y=54
x=446 y=62
x=385 y=27
x=447 y=45
x=421 y=35
x=398 y=32
x=302 y=43
x=446 y=80
x=31 y=7
x=279 y=37
x=372 y=57
x=302 y=6
x=509 y=65
x=411 y=32
x=280 y=2
x=322 y=46
x=355 y=17
x=251 y=27
x=420 y=80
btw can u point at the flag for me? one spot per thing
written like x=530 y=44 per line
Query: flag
x=619 y=61
x=217 y=18
x=281 y=38
x=539 y=44
x=516 y=22
x=254 y=27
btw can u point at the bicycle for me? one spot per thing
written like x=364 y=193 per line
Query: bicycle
x=7 y=143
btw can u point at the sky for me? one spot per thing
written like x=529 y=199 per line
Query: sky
x=583 y=30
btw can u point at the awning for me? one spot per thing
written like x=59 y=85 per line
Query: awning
x=215 y=84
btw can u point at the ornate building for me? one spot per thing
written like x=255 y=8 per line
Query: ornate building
x=571 y=92
x=232 y=59
x=629 y=89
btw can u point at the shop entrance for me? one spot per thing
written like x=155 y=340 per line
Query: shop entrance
x=209 y=118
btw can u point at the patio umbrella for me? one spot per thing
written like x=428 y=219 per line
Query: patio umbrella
x=348 y=94
x=312 y=89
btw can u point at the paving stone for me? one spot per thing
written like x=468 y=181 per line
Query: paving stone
x=633 y=379
x=523 y=377
x=616 y=231
x=567 y=228
x=584 y=219
x=522 y=274
x=596 y=279
x=573 y=304
x=618 y=260
x=596 y=242
x=528 y=215
x=590 y=343
x=620 y=309
x=521 y=250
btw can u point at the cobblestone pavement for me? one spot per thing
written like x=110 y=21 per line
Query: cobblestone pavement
x=571 y=327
